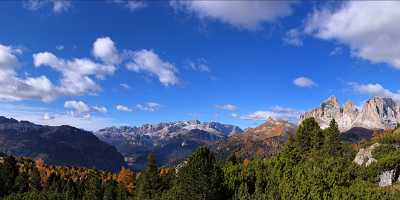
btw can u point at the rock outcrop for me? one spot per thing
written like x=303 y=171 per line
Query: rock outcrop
x=364 y=155
x=376 y=113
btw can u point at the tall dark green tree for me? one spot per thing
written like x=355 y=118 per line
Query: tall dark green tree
x=200 y=178
x=21 y=183
x=332 y=143
x=35 y=180
x=93 y=189
x=149 y=183
x=8 y=173
x=309 y=135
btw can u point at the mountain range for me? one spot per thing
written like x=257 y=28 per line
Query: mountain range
x=262 y=141
x=114 y=147
x=57 y=145
x=170 y=142
x=375 y=113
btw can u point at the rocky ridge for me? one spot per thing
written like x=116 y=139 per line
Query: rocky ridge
x=376 y=113
x=171 y=141
x=262 y=141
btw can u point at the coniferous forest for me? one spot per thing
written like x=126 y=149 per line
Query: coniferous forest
x=314 y=164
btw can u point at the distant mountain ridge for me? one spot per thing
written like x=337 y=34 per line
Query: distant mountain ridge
x=57 y=145
x=171 y=141
x=262 y=141
x=376 y=113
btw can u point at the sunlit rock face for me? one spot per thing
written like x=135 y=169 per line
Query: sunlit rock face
x=376 y=113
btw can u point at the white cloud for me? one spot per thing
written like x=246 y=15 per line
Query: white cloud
x=60 y=47
x=81 y=109
x=248 y=15
x=47 y=116
x=125 y=86
x=150 y=62
x=77 y=73
x=228 y=107
x=104 y=49
x=375 y=89
x=132 y=5
x=235 y=115
x=198 y=65
x=304 y=82
x=149 y=106
x=276 y=112
x=55 y=117
x=59 y=6
x=293 y=37
x=369 y=28
x=123 y=108
x=14 y=88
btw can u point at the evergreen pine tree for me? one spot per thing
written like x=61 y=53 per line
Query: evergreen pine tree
x=35 y=180
x=149 y=184
x=309 y=135
x=21 y=183
x=93 y=189
x=332 y=141
x=200 y=178
x=8 y=173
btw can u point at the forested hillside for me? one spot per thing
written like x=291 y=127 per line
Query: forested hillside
x=314 y=164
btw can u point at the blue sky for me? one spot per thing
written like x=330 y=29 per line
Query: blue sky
x=103 y=63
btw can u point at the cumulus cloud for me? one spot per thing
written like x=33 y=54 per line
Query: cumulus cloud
x=76 y=73
x=368 y=28
x=81 y=109
x=58 y=6
x=14 y=88
x=375 y=89
x=304 y=82
x=228 y=107
x=276 y=112
x=149 y=106
x=104 y=49
x=123 y=108
x=148 y=61
x=248 y=15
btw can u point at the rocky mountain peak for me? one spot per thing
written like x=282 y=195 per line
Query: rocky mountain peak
x=331 y=101
x=376 y=113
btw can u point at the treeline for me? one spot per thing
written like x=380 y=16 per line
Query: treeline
x=314 y=164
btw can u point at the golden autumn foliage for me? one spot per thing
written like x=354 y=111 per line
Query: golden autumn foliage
x=127 y=178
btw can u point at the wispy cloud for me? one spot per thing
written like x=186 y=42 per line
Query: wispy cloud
x=149 y=106
x=53 y=117
x=277 y=112
x=228 y=107
x=304 y=82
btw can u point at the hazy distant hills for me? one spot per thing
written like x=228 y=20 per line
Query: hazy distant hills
x=58 y=145
x=171 y=142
